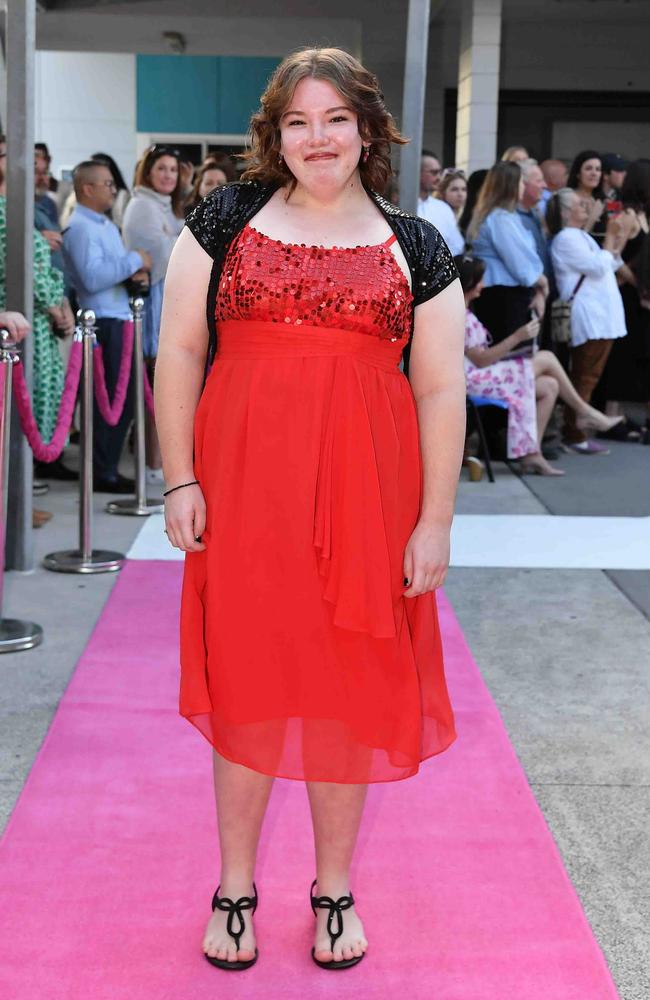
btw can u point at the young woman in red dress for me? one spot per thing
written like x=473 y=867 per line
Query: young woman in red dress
x=311 y=486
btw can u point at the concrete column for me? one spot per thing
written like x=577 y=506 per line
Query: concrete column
x=434 y=108
x=415 y=75
x=478 y=84
x=21 y=34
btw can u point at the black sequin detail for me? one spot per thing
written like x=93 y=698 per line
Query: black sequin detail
x=223 y=214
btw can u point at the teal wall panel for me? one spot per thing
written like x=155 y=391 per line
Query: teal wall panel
x=204 y=94
x=241 y=84
x=177 y=94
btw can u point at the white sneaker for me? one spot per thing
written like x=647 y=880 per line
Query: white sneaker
x=154 y=476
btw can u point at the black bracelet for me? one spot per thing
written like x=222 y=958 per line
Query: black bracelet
x=194 y=482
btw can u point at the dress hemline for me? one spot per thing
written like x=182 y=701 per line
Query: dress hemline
x=453 y=736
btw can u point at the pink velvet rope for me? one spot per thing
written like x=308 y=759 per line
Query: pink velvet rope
x=148 y=394
x=50 y=451
x=111 y=412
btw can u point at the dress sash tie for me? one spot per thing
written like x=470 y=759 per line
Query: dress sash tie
x=360 y=517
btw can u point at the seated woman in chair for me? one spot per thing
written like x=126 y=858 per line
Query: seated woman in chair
x=530 y=385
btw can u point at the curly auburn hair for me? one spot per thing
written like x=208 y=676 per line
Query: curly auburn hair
x=358 y=87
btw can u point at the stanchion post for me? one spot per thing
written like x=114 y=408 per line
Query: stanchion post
x=140 y=506
x=85 y=559
x=15 y=635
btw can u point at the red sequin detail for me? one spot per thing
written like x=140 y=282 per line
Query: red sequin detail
x=354 y=288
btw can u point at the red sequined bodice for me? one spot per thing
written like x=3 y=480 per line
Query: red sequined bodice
x=354 y=288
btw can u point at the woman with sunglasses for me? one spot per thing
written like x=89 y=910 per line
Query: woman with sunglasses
x=452 y=189
x=153 y=220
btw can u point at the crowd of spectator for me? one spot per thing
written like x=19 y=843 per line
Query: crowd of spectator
x=524 y=234
x=534 y=236
x=97 y=242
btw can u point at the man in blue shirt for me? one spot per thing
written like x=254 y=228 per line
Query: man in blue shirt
x=97 y=265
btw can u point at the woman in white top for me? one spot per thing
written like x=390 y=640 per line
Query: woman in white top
x=597 y=314
x=153 y=220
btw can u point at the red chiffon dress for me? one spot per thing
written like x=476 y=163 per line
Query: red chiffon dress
x=300 y=656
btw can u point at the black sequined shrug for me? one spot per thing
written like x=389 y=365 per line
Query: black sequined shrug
x=223 y=214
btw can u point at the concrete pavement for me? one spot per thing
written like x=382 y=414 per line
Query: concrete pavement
x=565 y=653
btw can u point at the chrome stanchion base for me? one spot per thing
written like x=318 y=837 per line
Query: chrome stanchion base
x=131 y=506
x=16 y=635
x=72 y=561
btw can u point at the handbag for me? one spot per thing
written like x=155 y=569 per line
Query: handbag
x=561 y=316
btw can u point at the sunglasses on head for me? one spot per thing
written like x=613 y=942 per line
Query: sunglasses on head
x=162 y=150
x=453 y=172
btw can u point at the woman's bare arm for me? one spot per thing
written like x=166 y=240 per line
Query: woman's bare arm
x=483 y=357
x=438 y=381
x=179 y=378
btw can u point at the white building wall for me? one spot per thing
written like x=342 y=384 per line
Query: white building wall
x=86 y=103
x=121 y=31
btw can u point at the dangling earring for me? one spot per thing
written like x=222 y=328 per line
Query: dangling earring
x=365 y=154
x=280 y=158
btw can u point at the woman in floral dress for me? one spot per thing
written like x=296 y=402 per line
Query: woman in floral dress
x=530 y=385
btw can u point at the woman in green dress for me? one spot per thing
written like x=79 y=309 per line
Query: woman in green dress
x=50 y=308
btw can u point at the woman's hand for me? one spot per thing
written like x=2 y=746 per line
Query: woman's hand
x=426 y=558
x=527 y=331
x=186 y=171
x=595 y=208
x=538 y=303
x=54 y=239
x=626 y=276
x=67 y=321
x=616 y=235
x=15 y=324
x=185 y=518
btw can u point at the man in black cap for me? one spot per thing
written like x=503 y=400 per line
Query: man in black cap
x=614 y=167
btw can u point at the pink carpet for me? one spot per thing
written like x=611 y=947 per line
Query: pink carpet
x=109 y=861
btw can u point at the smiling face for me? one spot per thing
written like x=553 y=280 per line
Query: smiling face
x=319 y=136
x=590 y=174
x=163 y=176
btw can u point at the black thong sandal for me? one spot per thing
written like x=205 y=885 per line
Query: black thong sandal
x=234 y=908
x=335 y=907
